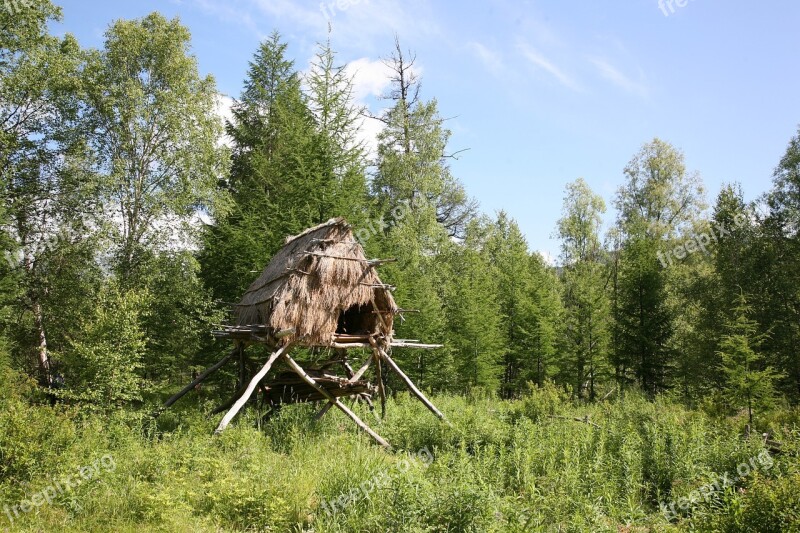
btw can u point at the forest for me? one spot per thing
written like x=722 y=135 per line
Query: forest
x=658 y=352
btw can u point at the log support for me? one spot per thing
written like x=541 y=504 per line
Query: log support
x=207 y=372
x=410 y=384
x=250 y=388
x=335 y=401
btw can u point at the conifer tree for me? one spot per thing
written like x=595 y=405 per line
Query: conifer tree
x=749 y=382
x=587 y=306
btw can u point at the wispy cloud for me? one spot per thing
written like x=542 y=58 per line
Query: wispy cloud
x=490 y=59
x=615 y=76
x=230 y=13
x=538 y=60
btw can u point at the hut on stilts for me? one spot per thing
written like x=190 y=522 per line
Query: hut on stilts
x=318 y=292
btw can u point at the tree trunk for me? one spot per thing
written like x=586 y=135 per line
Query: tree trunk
x=42 y=357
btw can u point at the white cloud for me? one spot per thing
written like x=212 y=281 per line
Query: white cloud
x=540 y=61
x=223 y=110
x=547 y=257
x=371 y=78
x=615 y=76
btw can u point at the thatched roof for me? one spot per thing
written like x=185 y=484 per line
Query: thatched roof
x=319 y=283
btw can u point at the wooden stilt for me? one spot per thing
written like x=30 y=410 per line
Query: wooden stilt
x=410 y=384
x=242 y=369
x=250 y=388
x=321 y=412
x=308 y=379
x=227 y=405
x=355 y=377
x=197 y=381
x=379 y=377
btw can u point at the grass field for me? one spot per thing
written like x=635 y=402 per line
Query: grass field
x=522 y=465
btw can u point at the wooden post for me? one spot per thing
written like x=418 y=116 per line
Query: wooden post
x=197 y=380
x=379 y=376
x=250 y=388
x=355 y=377
x=409 y=383
x=308 y=379
x=242 y=369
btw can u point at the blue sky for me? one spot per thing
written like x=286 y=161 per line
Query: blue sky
x=541 y=93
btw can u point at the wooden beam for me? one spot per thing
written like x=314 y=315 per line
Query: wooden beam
x=369 y=262
x=379 y=376
x=355 y=377
x=242 y=369
x=197 y=381
x=361 y=370
x=407 y=344
x=409 y=383
x=250 y=388
x=348 y=345
x=308 y=379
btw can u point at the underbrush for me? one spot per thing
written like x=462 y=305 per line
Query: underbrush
x=538 y=463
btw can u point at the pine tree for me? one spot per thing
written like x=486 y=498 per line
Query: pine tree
x=658 y=203
x=749 y=382
x=542 y=324
x=586 y=303
x=476 y=331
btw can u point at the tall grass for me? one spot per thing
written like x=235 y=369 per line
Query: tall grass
x=523 y=465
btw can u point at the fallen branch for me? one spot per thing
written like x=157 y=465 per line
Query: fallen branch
x=584 y=420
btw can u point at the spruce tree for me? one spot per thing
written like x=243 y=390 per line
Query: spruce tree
x=749 y=383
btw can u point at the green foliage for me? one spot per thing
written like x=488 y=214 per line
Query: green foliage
x=516 y=465
x=586 y=361
x=104 y=365
x=749 y=383
x=155 y=134
x=474 y=316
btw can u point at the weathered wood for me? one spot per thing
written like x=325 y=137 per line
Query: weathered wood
x=197 y=380
x=379 y=376
x=227 y=405
x=585 y=419
x=302 y=373
x=406 y=344
x=355 y=377
x=242 y=368
x=361 y=370
x=348 y=345
x=344 y=338
x=284 y=333
x=303 y=393
x=369 y=262
x=250 y=388
x=410 y=384
x=321 y=412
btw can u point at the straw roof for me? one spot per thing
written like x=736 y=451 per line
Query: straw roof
x=319 y=284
